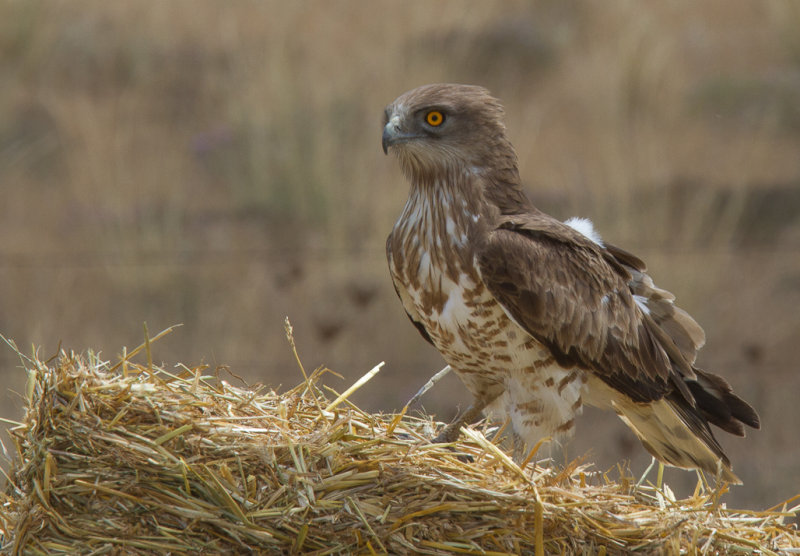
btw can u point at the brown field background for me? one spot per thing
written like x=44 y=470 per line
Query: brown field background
x=218 y=164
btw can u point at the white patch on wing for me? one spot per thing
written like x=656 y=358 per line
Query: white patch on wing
x=641 y=301
x=585 y=227
x=605 y=299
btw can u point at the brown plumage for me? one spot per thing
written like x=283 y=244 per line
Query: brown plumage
x=534 y=315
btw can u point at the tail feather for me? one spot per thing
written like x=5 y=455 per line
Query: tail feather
x=676 y=436
x=671 y=429
x=675 y=428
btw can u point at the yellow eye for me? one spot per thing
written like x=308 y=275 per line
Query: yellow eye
x=434 y=118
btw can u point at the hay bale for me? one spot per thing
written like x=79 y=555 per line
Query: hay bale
x=137 y=459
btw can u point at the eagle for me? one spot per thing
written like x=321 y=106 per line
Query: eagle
x=538 y=317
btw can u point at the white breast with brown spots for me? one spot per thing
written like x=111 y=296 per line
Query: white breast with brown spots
x=492 y=355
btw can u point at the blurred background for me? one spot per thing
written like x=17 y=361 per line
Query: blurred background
x=218 y=164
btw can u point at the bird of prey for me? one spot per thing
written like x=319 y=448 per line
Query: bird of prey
x=537 y=316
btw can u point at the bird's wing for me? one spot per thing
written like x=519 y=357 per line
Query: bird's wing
x=595 y=306
x=681 y=328
x=573 y=295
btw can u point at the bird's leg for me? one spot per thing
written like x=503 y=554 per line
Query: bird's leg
x=540 y=453
x=521 y=449
x=451 y=431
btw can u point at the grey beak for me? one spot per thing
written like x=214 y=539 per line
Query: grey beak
x=386 y=139
x=393 y=135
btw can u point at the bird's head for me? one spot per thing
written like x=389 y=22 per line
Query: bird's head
x=441 y=128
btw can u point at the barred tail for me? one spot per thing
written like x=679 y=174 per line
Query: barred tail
x=676 y=435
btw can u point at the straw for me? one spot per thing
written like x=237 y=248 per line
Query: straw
x=139 y=459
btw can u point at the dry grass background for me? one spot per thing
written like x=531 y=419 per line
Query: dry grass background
x=218 y=165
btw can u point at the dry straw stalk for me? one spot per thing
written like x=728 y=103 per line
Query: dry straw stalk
x=137 y=459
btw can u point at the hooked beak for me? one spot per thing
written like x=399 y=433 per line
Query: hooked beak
x=392 y=134
x=386 y=139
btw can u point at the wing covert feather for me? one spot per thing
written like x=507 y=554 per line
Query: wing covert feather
x=568 y=296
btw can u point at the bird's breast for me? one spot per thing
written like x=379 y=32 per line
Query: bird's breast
x=439 y=278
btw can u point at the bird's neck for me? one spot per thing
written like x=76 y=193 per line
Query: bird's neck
x=437 y=227
x=472 y=190
x=443 y=207
x=445 y=212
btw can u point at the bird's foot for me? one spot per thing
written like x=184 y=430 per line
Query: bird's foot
x=449 y=434
x=452 y=431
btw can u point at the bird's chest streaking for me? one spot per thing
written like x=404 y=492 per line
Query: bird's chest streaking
x=431 y=258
